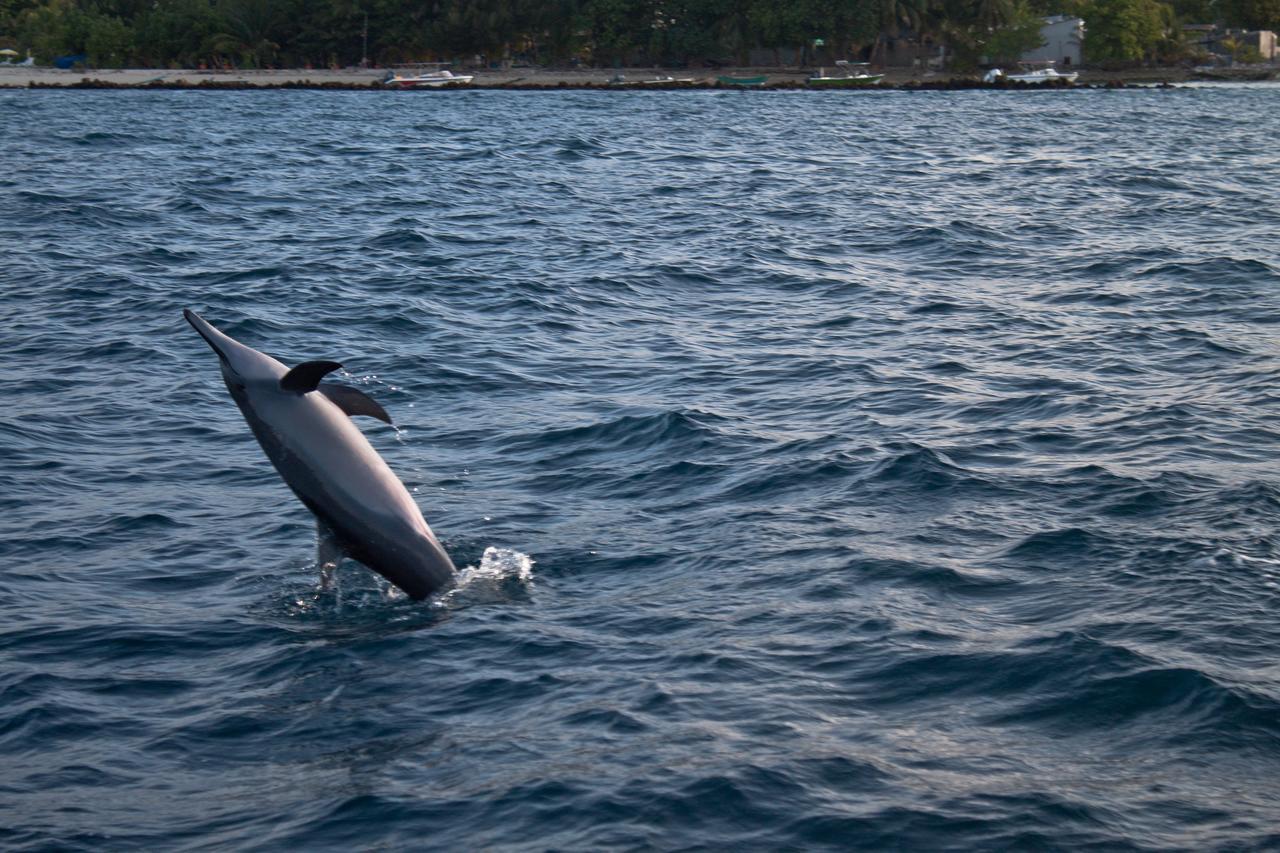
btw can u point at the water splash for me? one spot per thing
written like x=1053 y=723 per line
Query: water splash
x=496 y=566
x=502 y=572
x=358 y=590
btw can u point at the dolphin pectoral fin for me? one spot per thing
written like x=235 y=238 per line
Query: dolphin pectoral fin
x=327 y=555
x=353 y=401
x=306 y=376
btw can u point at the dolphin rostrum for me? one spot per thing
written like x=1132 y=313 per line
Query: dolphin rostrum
x=362 y=510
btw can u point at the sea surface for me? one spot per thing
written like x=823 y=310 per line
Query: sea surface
x=842 y=470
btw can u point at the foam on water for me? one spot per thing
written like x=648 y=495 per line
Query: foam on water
x=498 y=565
x=501 y=572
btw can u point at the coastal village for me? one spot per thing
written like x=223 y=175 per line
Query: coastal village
x=867 y=44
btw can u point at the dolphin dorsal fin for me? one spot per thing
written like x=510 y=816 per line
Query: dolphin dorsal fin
x=306 y=376
x=353 y=401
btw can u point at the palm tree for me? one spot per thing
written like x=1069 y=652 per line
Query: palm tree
x=250 y=25
x=895 y=17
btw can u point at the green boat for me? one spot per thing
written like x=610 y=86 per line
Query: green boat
x=742 y=81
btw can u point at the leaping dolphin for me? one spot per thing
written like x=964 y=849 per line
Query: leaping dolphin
x=362 y=509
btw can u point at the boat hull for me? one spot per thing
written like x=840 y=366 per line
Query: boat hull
x=427 y=82
x=845 y=82
x=1069 y=77
x=742 y=81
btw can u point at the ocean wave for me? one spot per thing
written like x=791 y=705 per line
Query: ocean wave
x=817 y=477
x=685 y=430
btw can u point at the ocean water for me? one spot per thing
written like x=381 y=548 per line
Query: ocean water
x=829 y=470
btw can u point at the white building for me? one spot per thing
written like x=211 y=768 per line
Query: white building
x=1062 y=40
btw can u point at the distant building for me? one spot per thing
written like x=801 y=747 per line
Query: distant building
x=1062 y=38
x=1202 y=37
x=1263 y=41
x=1226 y=44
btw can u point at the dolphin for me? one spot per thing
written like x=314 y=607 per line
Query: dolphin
x=362 y=509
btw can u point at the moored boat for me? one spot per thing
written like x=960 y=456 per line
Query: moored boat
x=847 y=80
x=621 y=80
x=1234 y=74
x=727 y=80
x=1038 y=72
x=428 y=79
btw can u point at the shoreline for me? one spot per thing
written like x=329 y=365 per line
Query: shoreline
x=357 y=79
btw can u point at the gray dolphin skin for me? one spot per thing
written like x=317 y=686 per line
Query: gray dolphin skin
x=362 y=509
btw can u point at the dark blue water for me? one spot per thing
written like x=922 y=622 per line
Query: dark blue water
x=877 y=471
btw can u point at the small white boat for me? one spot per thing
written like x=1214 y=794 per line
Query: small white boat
x=621 y=80
x=1046 y=73
x=443 y=77
x=850 y=78
x=669 y=81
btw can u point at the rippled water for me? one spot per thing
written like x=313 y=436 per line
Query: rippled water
x=831 y=470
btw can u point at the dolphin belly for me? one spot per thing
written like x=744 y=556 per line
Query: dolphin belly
x=373 y=521
x=416 y=563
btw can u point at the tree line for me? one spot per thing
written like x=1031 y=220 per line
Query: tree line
x=601 y=33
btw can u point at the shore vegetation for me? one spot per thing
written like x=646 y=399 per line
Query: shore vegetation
x=595 y=33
